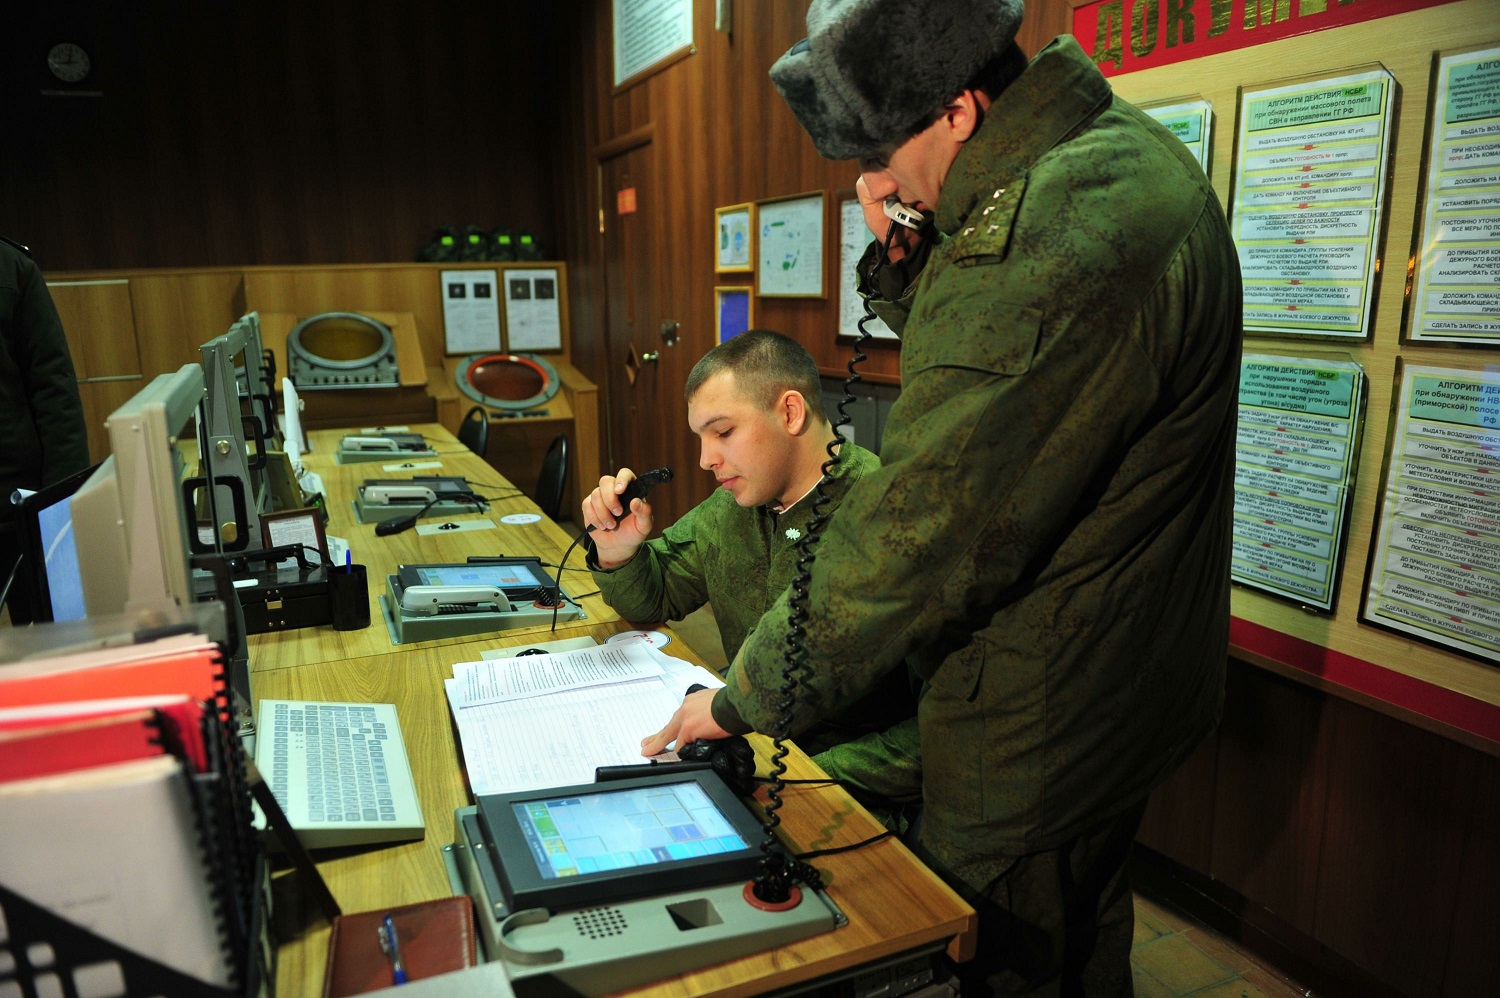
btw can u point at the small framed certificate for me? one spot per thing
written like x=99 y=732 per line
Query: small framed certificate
x=296 y=526
x=735 y=249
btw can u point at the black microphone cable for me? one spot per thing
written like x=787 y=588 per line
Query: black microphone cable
x=398 y=524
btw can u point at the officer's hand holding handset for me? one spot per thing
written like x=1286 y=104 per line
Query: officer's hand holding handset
x=879 y=217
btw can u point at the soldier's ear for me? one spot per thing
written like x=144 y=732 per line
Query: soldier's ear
x=791 y=410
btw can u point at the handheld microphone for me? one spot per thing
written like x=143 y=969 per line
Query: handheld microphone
x=639 y=486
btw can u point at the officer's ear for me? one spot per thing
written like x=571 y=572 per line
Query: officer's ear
x=962 y=116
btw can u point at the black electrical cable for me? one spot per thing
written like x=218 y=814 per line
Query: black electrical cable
x=396 y=525
x=778 y=872
x=831 y=850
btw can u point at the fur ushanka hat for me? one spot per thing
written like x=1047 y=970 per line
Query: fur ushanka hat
x=869 y=70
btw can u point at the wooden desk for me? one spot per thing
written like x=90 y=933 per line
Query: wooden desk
x=382 y=555
x=894 y=903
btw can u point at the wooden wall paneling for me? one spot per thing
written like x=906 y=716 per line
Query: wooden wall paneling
x=1399 y=805
x=176 y=312
x=1044 y=21
x=579 y=202
x=98 y=320
x=305 y=292
x=1473 y=966
x=406 y=288
x=1404 y=44
x=278 y=132
x=1179 y=818
x=1270 y=798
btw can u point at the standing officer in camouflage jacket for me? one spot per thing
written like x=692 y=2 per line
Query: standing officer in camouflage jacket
x=1047 y=539
x=756 y=404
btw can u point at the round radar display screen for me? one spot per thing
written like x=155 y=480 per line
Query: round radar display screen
x=342 y=338
x=513 y=381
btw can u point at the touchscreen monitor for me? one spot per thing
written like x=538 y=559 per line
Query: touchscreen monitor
x=571 y=847
x=519 y=578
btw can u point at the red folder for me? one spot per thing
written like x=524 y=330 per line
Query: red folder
x=197 y=672
x=72 y=745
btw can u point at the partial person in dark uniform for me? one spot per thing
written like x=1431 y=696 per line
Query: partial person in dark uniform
x=43 y=437
x=1047 y=540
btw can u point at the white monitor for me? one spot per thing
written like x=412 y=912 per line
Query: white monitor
x=291 y=420
x=129 y=519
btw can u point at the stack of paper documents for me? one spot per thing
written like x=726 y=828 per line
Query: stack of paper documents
x=548 y=720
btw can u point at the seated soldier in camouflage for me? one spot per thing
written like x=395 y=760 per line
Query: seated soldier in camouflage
x=755 y=403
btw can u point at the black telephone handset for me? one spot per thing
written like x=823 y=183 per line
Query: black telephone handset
x=637 y=489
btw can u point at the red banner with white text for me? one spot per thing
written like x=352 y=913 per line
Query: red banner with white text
x=1123 y=36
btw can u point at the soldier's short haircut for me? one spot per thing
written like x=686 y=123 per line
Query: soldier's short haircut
x=765 y=364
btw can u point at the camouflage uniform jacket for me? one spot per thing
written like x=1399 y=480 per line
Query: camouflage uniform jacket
x=740 y=559
x=1046 y=541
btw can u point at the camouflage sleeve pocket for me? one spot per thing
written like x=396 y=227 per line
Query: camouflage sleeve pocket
x=978 y=334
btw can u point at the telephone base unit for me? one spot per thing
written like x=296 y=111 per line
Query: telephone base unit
x=406 y=628
x=602 y=949
x=374 y=512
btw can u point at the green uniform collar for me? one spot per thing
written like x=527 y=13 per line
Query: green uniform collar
x=1059 y=91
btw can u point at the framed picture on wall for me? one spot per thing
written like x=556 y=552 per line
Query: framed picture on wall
x=854 y=237
x=734 y=311
x=789 y=251
x=296 y=526
x=735 y=246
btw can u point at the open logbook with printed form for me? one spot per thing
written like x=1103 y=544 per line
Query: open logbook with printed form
x=549 y=720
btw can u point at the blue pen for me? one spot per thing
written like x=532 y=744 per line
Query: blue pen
x=391 y=944
x=348 y=557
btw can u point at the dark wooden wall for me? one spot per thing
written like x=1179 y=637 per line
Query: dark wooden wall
x=1348 y=841
x=276 y=132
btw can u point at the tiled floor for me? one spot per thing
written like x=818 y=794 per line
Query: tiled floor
x=1173 y=956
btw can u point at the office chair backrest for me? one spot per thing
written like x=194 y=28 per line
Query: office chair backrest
x=474 y=431
x=549 y=484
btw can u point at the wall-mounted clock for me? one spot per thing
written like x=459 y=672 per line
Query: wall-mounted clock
x=68 y=62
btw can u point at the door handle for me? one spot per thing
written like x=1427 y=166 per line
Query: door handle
x=635 y=360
